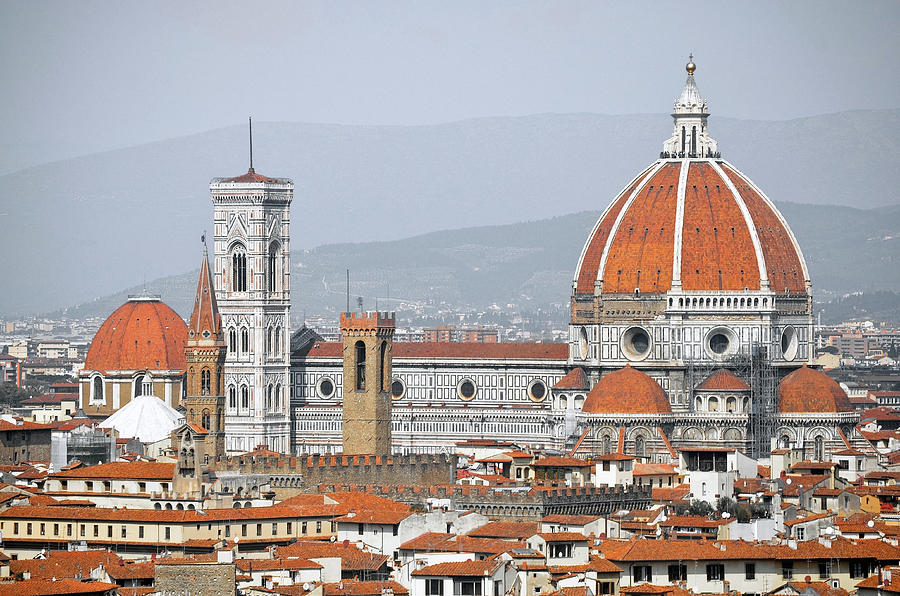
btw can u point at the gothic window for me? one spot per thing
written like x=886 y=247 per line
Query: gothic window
x=694 y=140
x=245 y=341
x=639 y=446
x=381 y=365
x=239 y=269
x=232 y=397
x=278 y=397
x=360 y=349
x=819 y=449
x=277 y=341
x=268 y=397
x=204 y=419
x=272 y=268
x=268 y=340
x=607 y=444
x=97 y=389
x=245 y=397
x=232 y=340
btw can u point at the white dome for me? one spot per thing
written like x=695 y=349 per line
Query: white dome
x=146 y=418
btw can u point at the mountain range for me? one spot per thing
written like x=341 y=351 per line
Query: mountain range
x=531 y=265
x=81 y=229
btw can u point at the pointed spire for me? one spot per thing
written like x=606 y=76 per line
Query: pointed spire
x=205 y=323
x=250 y=126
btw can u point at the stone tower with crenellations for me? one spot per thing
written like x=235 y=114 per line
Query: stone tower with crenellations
x=367 y=352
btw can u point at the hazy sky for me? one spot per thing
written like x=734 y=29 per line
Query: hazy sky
x=81 y=77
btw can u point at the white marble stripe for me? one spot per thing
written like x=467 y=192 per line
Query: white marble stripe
x=621 y=215
x=754 y=237
x=679 y=224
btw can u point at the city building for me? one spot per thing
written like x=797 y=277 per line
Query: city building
x=691 y=324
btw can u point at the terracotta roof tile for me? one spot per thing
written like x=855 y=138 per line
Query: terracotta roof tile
x=458 y=350
x=482 y=568
x=810 y=390
x=505 y=529
x=574 y=379
x=627 y=391
x=139 y=335
x=723 y=380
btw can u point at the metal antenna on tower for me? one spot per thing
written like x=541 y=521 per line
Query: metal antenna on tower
x=250 y=124
x=348 y=290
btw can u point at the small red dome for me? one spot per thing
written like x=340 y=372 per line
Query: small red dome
x=142 y=334
x=810 y=390
x=723 y=380
x=627 y=391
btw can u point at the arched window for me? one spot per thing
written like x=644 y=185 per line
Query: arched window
x=272 y=268
x=204 y=381
x=232 y=340
x=232 y=397
x=607 y=444
x=694 y=140
x=382 y=350
x=204 y=419
x=97 y=389
x=268 y=340
x=683 y=138
x=277 y=341
x=731 y=405
x=820 y=449
x=277 y=405
x=139 y=385
x=360 y=366
x=713 y=404
x=238 y=269
x=245 y=341
x=245 y=397
x=639 y=446
x=269 y=397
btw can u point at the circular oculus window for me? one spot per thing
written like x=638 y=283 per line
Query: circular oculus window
x=789 y=343
x=721 y=342
x=636 y=343
x=537 y=391
x=466 y=389
x=398 y=388
x=583 y=345
x=325 y=387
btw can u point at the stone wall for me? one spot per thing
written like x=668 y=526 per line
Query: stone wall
x=521 y=502
x=201 y=579
x=288 y=476
x=17 y=446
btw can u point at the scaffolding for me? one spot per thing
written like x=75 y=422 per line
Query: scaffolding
x=756 y=369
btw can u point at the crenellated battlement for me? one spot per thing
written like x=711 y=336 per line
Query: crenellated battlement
x=367 y=321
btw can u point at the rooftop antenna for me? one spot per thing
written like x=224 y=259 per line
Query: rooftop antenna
x=348 y=290
x=250 y=123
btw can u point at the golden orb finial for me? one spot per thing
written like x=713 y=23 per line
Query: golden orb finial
x=690 y=67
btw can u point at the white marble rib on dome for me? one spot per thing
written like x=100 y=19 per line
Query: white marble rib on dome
x=146 y=418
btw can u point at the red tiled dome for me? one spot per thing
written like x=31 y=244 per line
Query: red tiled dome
x=716 y=231
x=627 y=391
x=141 y=334
x=810 y=390
x=723 y=380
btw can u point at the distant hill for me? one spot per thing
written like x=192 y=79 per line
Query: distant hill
x=531 y=264
x=84 y=228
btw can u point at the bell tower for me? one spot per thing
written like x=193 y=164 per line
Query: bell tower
x=252 y=279
x=368 y=346
x=202 y=438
